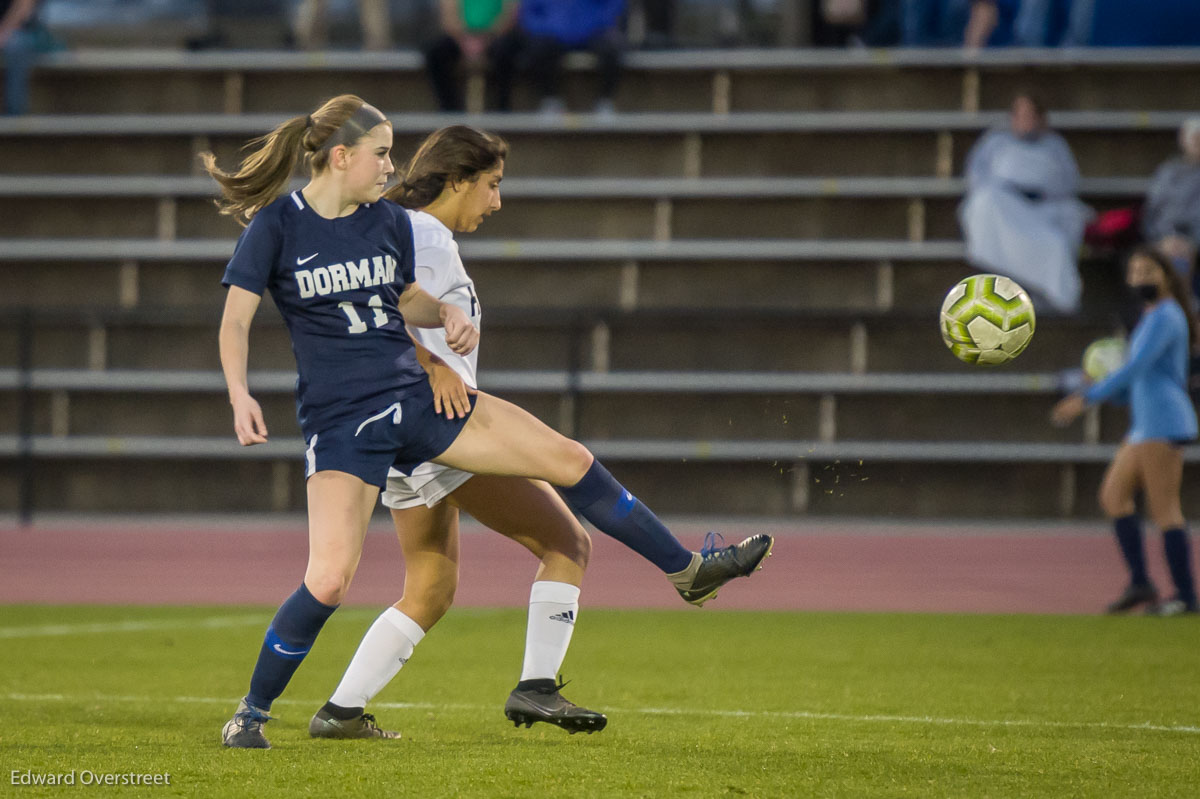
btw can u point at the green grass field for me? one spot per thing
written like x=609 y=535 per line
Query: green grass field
x=703 y=703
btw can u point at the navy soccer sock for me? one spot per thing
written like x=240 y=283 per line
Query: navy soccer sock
x=1129 y=538
x=290 y=636
x=1179 y=560
x=604 y=502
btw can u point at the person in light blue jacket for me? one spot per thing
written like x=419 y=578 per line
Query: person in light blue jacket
x=1153 y=380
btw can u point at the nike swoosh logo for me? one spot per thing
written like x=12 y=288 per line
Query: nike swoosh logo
x=303 y=261
x=283 y=651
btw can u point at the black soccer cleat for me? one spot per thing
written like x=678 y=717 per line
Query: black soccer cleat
x=545 y=703
x=720 y=564
x=244 y=730
x=1135 y=594
x=325 y=725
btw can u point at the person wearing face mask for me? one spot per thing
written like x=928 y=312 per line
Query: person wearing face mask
x=1021 y=216
x=1153 y=380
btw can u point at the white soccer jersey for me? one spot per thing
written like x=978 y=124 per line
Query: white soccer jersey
x=440 y=271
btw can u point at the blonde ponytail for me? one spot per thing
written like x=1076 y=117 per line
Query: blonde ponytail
x=264 y=174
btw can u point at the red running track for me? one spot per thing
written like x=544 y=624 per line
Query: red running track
x=905 y=567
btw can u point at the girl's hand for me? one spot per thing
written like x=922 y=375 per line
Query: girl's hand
x=1067 y=410
x=248 y=421
x=461 y=335
x=451 y=394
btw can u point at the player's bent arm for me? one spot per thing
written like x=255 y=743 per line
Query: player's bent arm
x=451 y=393
x=1150 y=346
x=420 y=309
x=234 y=343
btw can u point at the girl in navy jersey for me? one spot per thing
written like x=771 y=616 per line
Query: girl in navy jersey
x=1153 y=381
x=339 y=264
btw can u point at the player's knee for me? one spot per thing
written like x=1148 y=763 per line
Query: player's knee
x=580 y=548
x=1113 y=503
x=573 y=460
x=327 y=587
x=1166 y=516
x=434 y=597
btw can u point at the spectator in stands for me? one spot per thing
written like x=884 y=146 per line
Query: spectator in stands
x=1171 y=215
x=470 y=32
x=546 y=30
x=17 y=42
x=312 y=32
x=949 y=23
x=1020 y=215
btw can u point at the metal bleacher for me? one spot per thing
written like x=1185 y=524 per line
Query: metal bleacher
x=728 y=290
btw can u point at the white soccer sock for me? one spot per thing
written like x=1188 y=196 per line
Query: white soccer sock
x=385 y=648
x=552 y=611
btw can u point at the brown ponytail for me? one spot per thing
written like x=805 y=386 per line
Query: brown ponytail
x=264 y=173
x=451 y=155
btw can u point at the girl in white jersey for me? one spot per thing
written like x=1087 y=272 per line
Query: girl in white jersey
x=338 y=261
x=425 y=505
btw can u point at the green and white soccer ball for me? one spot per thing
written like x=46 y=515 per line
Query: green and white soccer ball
x=987 y=320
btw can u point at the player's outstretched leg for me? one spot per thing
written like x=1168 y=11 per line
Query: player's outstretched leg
x=500 y=438
x=540 y=700
x=697 y=576
x=714 y=565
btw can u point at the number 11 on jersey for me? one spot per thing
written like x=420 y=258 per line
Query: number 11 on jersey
x=357 y=325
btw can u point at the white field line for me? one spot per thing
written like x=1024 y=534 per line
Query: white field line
x=47 y=630
x=209 y=623
x=651 y=711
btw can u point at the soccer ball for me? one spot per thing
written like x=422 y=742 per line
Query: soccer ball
x=987 y=320
x=1103 y=356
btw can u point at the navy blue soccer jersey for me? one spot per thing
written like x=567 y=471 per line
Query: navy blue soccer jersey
x=336 y=282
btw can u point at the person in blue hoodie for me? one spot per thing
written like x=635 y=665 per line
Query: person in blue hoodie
x=546 y=31
x=1153 y=381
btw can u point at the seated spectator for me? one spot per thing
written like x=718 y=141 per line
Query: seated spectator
x=312 y=30
x=1171 y=215
x=546 y=30
x=470 y=31
x=950 y=23
x=17 y=42
x=1021 y=216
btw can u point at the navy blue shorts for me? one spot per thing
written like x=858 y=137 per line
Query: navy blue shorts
x=404 y=434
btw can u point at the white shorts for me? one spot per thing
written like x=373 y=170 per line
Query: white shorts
x=429 y=484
